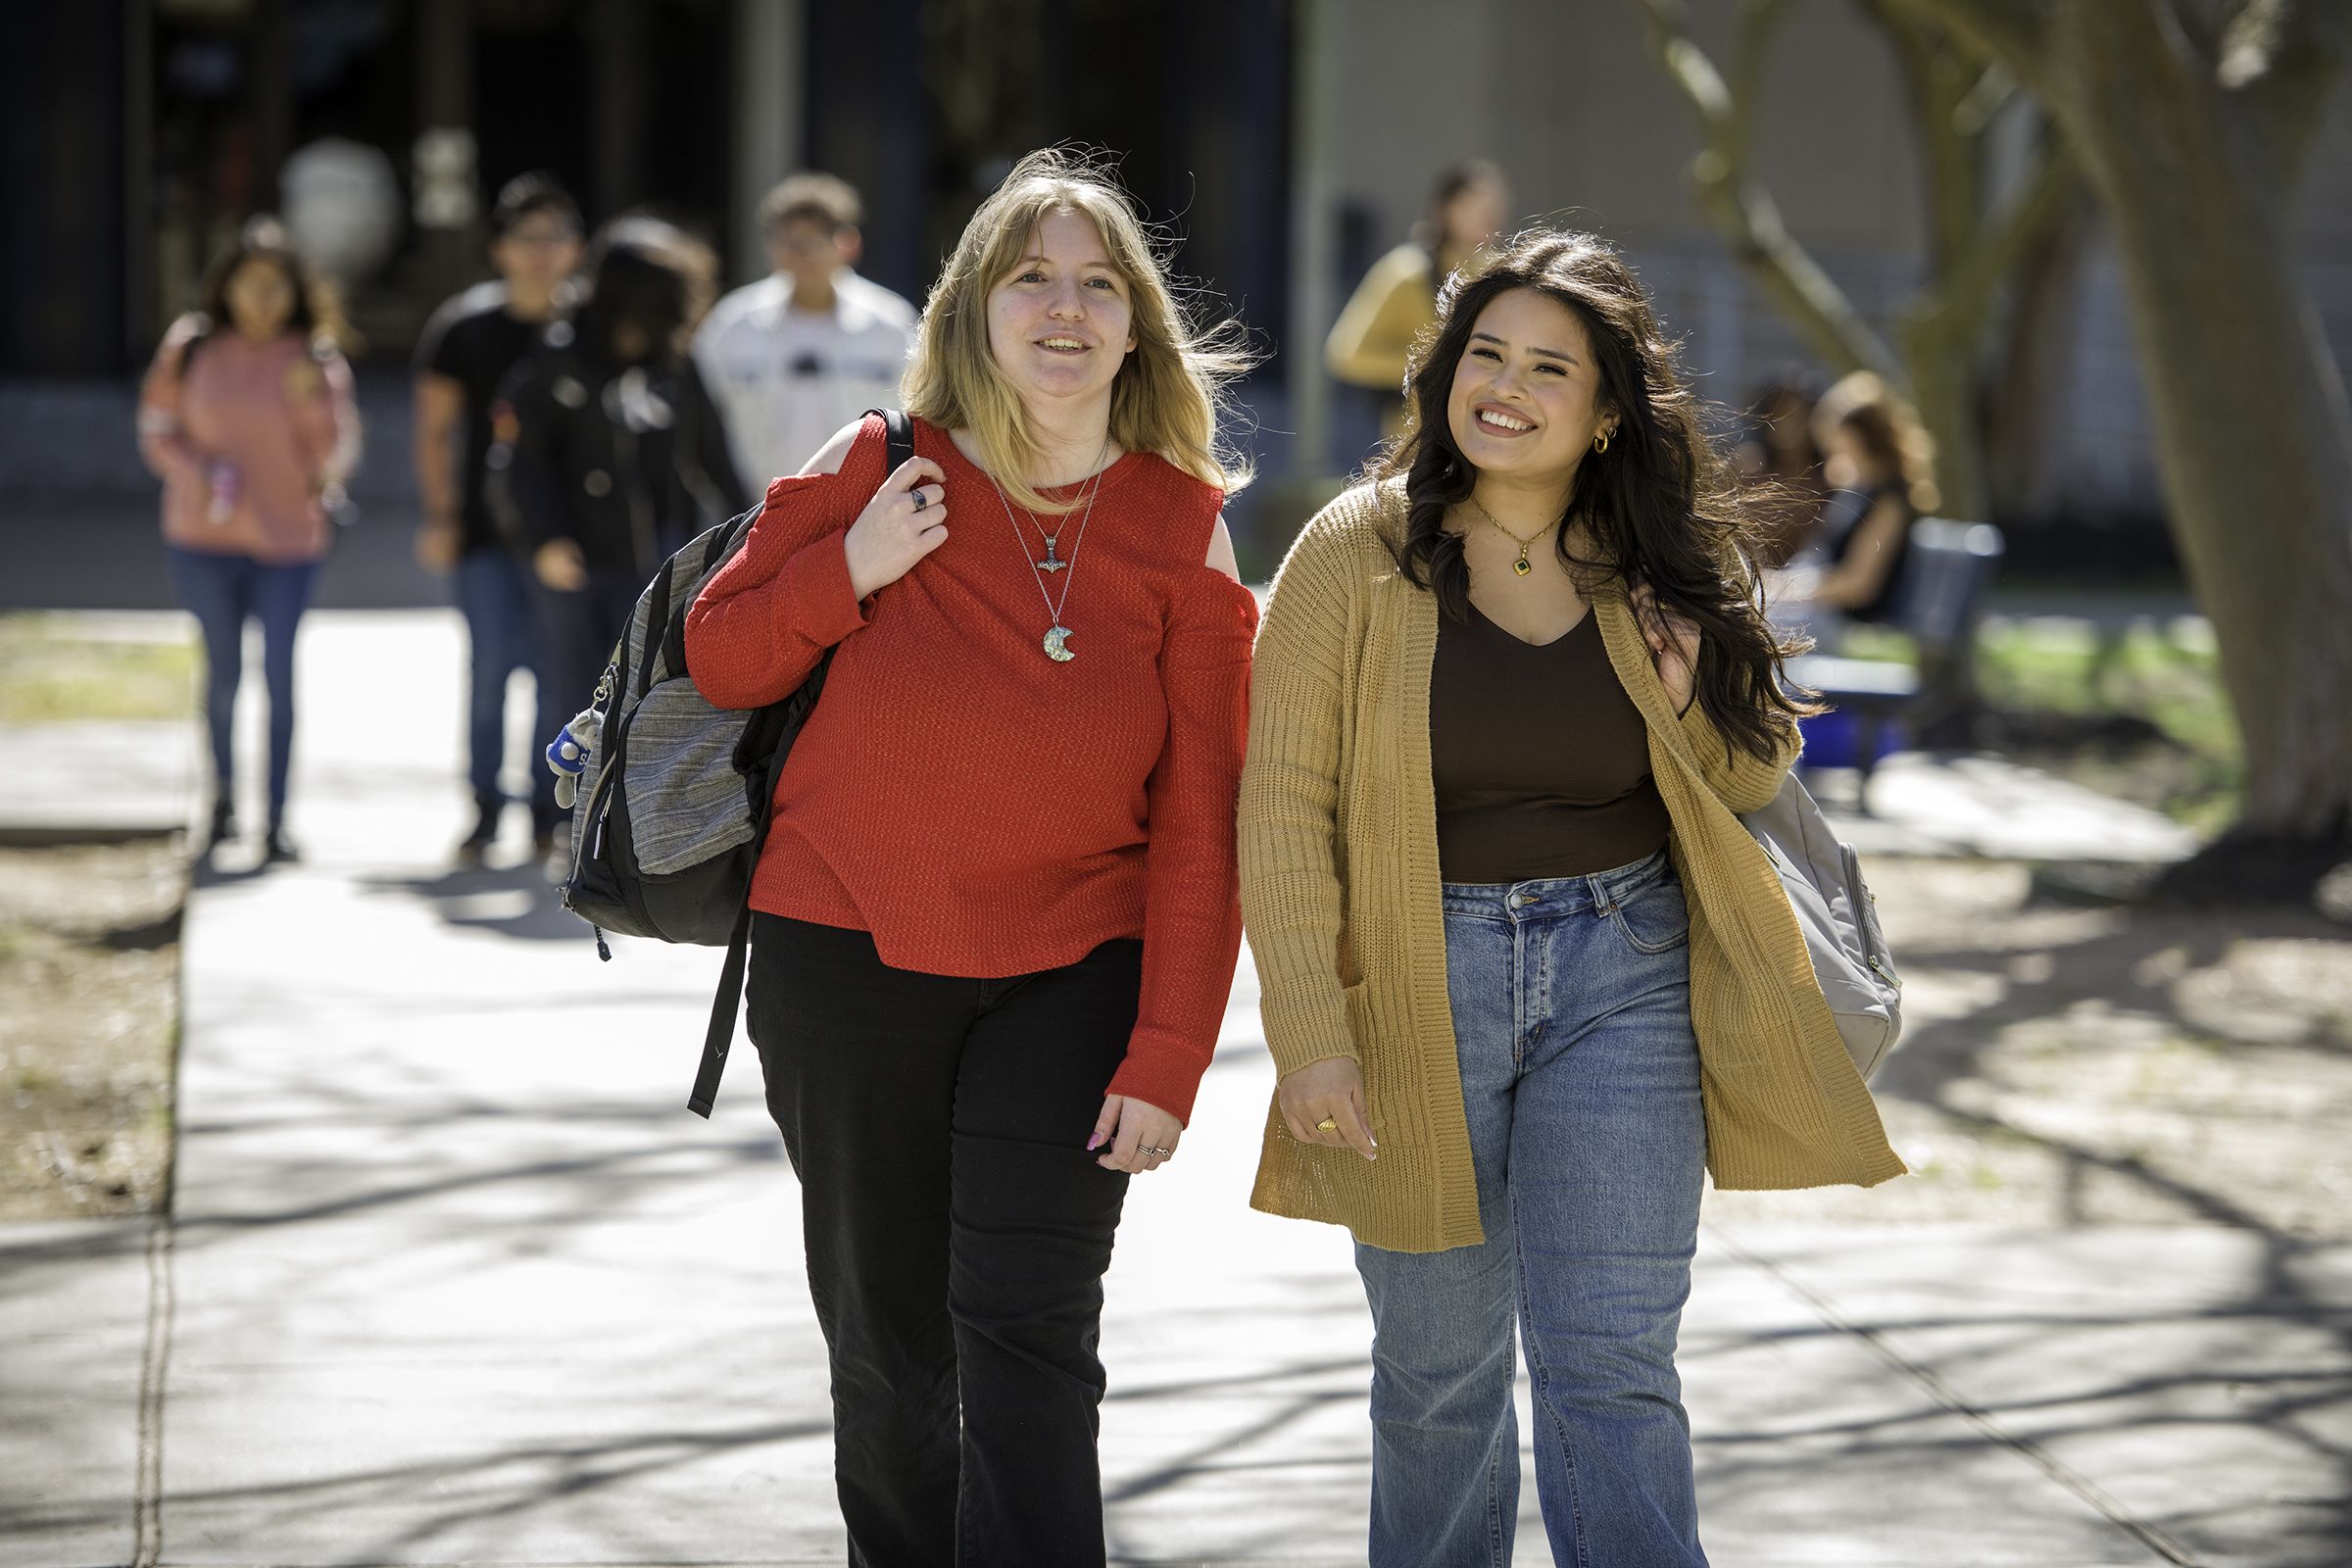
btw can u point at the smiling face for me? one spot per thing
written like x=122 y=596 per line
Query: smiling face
x=1526 y=402
x=261 y=298
x=1060 y=322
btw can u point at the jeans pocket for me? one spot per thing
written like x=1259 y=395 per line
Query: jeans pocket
x=1654 y=919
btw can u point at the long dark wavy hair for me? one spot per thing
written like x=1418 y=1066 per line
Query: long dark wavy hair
x=1660 y=507
x=650 y=275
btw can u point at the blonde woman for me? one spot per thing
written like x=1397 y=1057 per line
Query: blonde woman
x=1526 y=978
x=996 y=920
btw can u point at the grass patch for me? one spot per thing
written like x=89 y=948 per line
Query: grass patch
x=89 y=1029
x=53 y=669
x=2137 y=712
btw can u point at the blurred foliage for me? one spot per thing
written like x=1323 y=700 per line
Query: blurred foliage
x=55 y=667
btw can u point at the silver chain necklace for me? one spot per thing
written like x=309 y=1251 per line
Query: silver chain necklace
x=1058 y=637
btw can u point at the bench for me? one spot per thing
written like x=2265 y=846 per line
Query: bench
x=1939 y=601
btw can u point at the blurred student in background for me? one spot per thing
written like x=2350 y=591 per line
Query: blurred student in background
x=607 y=453
x=1879 y=463
x=247 y=416
x=792 y=358
x=470 y=345
x=1397 y=299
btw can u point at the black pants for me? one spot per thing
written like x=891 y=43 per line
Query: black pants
x=958 y=1231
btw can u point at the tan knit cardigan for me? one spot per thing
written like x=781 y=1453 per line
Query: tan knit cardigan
x=1340 y=892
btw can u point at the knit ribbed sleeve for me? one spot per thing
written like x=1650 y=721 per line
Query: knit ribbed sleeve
x=760 y=624
x=1739 y=778
x=1192 y=909
x=1289 y=824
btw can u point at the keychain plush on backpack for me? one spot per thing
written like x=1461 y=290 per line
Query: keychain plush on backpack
x=567 y=753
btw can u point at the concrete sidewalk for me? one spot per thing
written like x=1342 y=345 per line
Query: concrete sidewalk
x=454 y=1278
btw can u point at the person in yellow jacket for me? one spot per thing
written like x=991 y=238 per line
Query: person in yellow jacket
x=1525 y=975
x=1397 y=299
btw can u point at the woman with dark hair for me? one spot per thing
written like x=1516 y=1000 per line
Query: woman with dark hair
x=1397 y=299
x=1525 y=975
x=247 y=416
x=608 y=454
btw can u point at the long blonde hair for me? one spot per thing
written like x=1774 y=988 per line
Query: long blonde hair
x=1169 y=390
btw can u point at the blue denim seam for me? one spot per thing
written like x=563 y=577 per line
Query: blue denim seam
x=1541 y=1381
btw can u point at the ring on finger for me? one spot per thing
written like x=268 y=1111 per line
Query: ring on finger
x=1160 y=1153
x=1327 y=1125
x=921 y=500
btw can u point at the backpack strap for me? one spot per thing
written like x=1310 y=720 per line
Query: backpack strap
x=719 y=1037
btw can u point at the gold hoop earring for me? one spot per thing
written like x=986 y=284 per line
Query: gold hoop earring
x=1601 y=445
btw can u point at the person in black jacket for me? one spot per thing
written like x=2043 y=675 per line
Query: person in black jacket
x=469 y=345
x=609 y=454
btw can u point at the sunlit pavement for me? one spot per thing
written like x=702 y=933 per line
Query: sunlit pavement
x=454 y=1277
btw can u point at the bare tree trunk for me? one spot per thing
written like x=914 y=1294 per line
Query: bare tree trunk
x=1942 y=331
x=2023 y=460
x=2194 y=159
x=2257 y=462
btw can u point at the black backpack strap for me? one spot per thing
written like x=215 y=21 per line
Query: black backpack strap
x=898 y=438
x=719 y=1037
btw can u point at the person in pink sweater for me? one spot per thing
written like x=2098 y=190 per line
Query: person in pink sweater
x=247 y=416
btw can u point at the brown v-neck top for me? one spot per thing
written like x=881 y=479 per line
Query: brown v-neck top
x=1539 y=758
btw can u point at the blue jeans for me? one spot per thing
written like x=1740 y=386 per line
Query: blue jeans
x=221 y=591
x=497 y=606
x=1571 y=1002
x=577 y=629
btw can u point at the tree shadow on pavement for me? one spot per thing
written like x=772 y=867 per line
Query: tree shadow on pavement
x=514 y=901
x=2070 y=1069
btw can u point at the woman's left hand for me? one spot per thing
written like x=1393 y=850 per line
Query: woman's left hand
x=1673 y=639
x=1142 y=1137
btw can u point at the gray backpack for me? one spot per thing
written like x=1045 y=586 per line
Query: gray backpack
x=669 y=795
x=1840 y=919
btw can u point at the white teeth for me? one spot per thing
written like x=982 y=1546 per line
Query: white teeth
x=1504 y=420
x=1062 y=343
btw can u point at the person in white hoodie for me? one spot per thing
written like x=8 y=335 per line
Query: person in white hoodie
x=792 y=358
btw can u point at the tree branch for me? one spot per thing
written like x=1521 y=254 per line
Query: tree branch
x=1999 y=246
x=1752 y=50
x=2010 y=31
x=2283 y=60
x=1743 y=211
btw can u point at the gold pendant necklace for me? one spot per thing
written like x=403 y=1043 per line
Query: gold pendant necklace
x=1522 y=566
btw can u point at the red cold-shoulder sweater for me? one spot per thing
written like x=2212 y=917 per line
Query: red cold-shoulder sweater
x=980 y=808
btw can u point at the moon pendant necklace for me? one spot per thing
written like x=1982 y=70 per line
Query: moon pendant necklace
x=1057 y=636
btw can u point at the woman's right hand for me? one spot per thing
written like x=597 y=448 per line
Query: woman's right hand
x=1331 y=1090
x=904 y=521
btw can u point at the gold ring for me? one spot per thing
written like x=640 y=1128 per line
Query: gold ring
x=1327 y=1125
